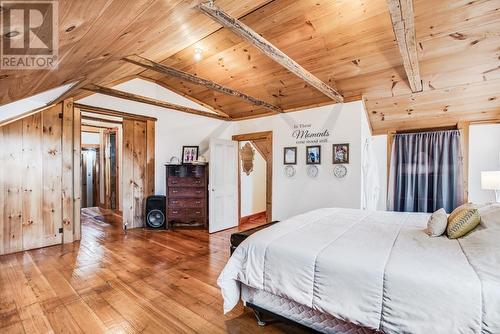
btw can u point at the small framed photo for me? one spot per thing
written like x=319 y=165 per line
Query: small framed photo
x=340 y=154
x=313 y=155
x=290 y=156
x=189 y=154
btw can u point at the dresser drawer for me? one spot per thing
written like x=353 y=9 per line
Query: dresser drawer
x=195 y=212
x=195 y=221
x=178 y=213
x=186 y=182
x=186 y=192
x=186 y=203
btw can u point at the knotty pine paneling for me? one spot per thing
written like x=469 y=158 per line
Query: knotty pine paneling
x=31 y=179
x=138 y=169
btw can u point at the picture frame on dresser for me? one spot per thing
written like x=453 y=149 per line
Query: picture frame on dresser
x=189 y=154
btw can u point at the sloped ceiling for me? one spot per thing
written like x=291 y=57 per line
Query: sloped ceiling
x=349 y=44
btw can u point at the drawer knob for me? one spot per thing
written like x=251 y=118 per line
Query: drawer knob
x=198 y=202
x=175 y=202
x=175 y=212
x=175 y=191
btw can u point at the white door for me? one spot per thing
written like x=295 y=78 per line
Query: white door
x=223 y=185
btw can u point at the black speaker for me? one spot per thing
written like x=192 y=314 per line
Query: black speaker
x=155 y=212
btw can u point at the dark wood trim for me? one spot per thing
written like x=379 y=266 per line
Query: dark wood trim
x=253 y=136
x=90 y=146
x=264 y=135
x=403 y=24
x=116 y=113
x=245 y=32
x=97 y=119
x=181 y=93
x=246 y=219
x=143 y=99
x=160 y=68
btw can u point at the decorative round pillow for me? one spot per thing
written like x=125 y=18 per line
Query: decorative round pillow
x=462 y=220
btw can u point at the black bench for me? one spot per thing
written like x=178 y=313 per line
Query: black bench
x=238 y=237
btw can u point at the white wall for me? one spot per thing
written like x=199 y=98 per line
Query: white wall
x=379 y=146
x=253 y=186
x=173 y=128
x=23 y=107
x=290 y=196
x=91 y=138
x=302 y=193
x=484 y=155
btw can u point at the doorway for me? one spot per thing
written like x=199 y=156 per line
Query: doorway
x=255 y=174
x=101 y=163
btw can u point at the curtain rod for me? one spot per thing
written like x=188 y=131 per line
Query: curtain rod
x=444 y=128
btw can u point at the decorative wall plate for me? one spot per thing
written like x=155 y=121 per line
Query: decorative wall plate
x=289 y=171
x=340 y=171
x=312 y=170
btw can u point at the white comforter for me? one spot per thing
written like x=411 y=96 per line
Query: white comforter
x=374 y=269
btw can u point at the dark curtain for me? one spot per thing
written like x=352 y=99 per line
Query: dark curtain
x=426 y=172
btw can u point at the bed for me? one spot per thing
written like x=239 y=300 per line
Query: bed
x=357 y=271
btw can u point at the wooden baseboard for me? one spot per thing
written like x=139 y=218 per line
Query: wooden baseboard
x=246 y=219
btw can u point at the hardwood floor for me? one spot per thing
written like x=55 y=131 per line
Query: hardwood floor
x=142 y=281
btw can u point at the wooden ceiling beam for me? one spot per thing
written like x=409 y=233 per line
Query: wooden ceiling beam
x=403 y=24
x=151 y=101
x=268 y=49
x=160 y=68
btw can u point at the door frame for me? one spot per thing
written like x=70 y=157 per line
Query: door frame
x=264 y=135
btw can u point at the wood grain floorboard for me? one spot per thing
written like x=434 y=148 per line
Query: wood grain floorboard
x=141 y=281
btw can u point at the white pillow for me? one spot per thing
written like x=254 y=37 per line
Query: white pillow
x=490 y=215
x=436 y=226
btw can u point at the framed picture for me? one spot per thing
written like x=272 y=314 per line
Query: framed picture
x=189 y=154
x=290 y=156
x=340 y=153
x=313 y=155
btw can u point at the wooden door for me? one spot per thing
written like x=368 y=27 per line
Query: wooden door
x=137 y=170
x=223 y=185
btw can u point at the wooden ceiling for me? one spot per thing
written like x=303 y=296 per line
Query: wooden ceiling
x=349 y=44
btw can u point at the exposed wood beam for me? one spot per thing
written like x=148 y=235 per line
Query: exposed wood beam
x=113 y=113
x=157 y=67
x=142 y=99
x=268 y=49
x=403 y=24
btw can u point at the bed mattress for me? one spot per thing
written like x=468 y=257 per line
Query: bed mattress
x=299 y=313
x=378 y=270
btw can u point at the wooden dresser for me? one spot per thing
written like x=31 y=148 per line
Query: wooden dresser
x=187 y=195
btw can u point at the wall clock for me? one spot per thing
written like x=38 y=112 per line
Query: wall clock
x=312 y=171
x=289 y=171
x=340 y=171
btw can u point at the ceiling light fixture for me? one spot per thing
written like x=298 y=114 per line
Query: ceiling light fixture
x=198 y=54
